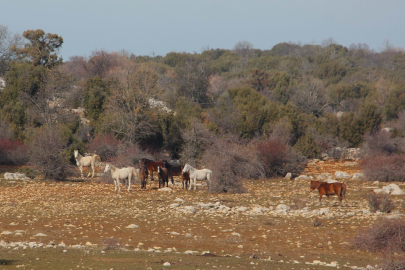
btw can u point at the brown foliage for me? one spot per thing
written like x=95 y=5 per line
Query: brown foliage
x=385 y=235
x=279 y=159
x=384 y=168
x=380 y=202
x=13 y=152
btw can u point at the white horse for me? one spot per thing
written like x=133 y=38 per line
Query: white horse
x=88 y=161
x=195 y=175
x=123 y=173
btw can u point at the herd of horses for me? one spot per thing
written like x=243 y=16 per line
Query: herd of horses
x=189 y=175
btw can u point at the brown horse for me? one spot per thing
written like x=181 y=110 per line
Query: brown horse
x=152 y=166
x=173 y=170
x=143 y=175
x=329 y=189
x=163 y=176
x=185 y=178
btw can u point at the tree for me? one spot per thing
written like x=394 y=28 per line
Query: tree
x=41 y=49
x=95 y=94
x=243 y=48
x=193 y=78
x=7 y=41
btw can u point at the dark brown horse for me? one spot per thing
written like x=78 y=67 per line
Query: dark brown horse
x=152 y=165
x=185 y=179
x=143 y=175
x=173 y=170
x=329 y=189
x=163 y=176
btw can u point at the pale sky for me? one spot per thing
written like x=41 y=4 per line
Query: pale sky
x=148 y=27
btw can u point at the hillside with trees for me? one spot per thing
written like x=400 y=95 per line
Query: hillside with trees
x=246 y=112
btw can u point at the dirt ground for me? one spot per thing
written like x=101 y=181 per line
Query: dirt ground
x=83 y=224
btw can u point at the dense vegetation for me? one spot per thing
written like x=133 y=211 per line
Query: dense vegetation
x=263 y=109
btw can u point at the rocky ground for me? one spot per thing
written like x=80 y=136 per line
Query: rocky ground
x=277 y=224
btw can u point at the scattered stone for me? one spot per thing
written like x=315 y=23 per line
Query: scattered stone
x=288 y=176
x=166 y=264
x=40 y=235
x=7 y=233
x=241 y=209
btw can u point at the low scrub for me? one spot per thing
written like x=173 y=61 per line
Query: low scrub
x=384 y=168
x=380 y=203
x=106 y=146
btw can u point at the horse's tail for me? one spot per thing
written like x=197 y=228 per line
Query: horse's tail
x=96 y=157
x=134 y=173
x=343 y=191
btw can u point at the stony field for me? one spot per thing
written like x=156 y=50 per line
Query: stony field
x=85 y=225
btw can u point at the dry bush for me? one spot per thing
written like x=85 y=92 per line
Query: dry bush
x=279 y=159
x=380 y=202
x=380 y=143
x=46 y=152
x=230 y=162
x=106 y=146
x=13 y=152
x=384 y=168
x=385 y=235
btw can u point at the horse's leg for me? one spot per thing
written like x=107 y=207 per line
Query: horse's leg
x=119 y=184
x=115 y=185
x=129 y=182
x=191 y=183
x=195 y=183
x=92 y=169
x=81 y=171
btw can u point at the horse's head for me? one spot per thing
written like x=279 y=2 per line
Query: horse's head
x=186 y=168
x=107 y=168
x=314 y=185
x=76 y=153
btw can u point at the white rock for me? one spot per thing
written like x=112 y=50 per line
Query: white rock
x=395 y=190
x=302 y=177
x=15 y=176
x=241 y=209
x=190 y=209
x=282 y=207
x=324 y=211
x=165 y=189
x=358 y=176
x=179 y=200
x=7 y=233
x=323 y=176
x=174 y=205
x=330 y=181
x=342 y=175
x=132 y=226
x=288 y=176
x=166 y=264
x=206 y=205
x=40 y=235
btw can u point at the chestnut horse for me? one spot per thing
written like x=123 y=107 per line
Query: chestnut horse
x=163 y=176
x=185 y=178
x=329 y=189
x=143 y=175
x=173 y=170
x=152 y=165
